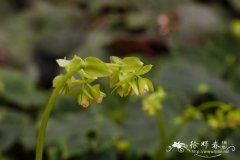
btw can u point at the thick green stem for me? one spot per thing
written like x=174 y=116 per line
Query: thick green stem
x=161 y=152
x=47 y=111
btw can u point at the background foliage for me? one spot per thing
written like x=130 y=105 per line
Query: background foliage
x=191 y=43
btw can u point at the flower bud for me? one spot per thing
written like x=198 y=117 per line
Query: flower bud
x=100 y=98
x=122 y=145
x=83 y=100
x=213 y=122
x=96 y=93
x=144 y=85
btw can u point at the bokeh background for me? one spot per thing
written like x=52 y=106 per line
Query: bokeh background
x=194 y=46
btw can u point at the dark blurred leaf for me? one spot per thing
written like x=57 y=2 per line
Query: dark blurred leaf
x=235 y=4
x=138 y=20
x=76 y=133
x=17 y=38
x=185 y=78
x=188 y=134
x=216 y=54
x=50 y=18
x=20 y=90
x=141 y=130
x=234 y=140
x=12 y=124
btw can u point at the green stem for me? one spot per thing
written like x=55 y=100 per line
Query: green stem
x=212 y=104
x=47 y=111
x=160 y=155
x=166 y=140
x=177 y=129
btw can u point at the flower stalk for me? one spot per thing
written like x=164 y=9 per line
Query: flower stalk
x=47 y=112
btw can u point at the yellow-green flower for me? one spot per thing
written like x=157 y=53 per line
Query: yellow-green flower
x=224 y=119
x=89 y=69
x=126 y=78
x=152 y=103
x=89 y=93
x=236 y=27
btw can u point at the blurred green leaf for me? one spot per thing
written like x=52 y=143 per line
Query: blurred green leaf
x=77 y=132
x=234 y=140
x=186 y=77
x=12 y=125
x=1 y=86
x=20 y=90
x=141 y=130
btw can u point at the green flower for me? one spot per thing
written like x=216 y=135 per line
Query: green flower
x=126 y=78
x=84 y=98
x=233 y=118
x=96 y=93
x=152 y=103
x=89 y=69
x=203 y=88
x=229 y=118
x=213 y=122
x=236 y=27
x=69 y=65
x=67 y=85
x=122 y=145
x=89 y=93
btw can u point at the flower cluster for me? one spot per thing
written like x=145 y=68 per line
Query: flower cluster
x=152 y=103
x=125 y=77
x=224 y=119
x=88 y=70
